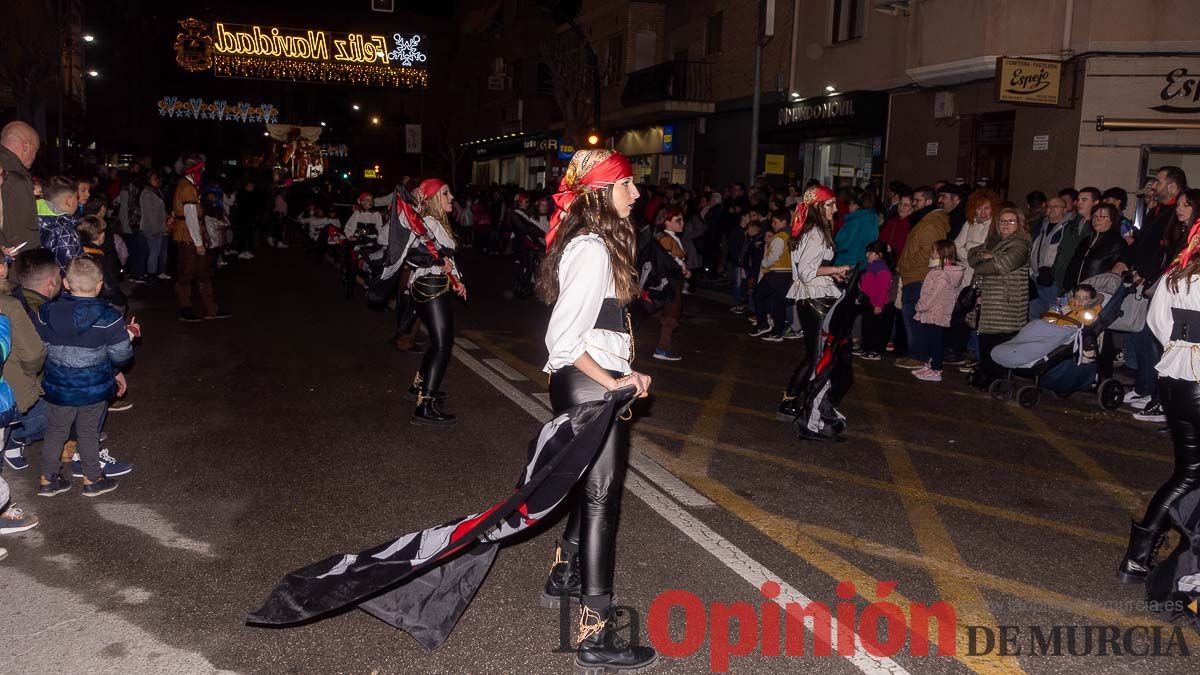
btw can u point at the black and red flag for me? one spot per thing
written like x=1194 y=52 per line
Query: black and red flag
x=423 y=581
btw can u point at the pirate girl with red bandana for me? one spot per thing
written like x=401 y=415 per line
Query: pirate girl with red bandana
x=814 y=284
x=435 y=278
x=588 y=276
x=1174 y=318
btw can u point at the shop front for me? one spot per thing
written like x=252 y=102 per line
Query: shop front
x=658 y=154
x=838 y=140
x=1139 y=113
x=528 y=162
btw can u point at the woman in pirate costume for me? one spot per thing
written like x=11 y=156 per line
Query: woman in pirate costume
x=588 y=276
x=814 y=285
x=1174 y=318
x=434 y=277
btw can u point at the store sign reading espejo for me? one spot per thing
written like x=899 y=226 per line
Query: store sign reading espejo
x=1028 y=81
x=1181 y=93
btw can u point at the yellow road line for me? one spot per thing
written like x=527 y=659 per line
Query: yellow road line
x=1081 y=459
x=935 y=541
x=837 y=475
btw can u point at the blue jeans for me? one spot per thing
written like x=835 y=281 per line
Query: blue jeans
x=138 y=253
x=30 y=429
x=909 y=295
x=156 y=257
x=931 y=342
x=1043 y=302
x=1148 y=351
x=739 y=285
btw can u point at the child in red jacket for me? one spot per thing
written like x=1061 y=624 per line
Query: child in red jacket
x=877 y=283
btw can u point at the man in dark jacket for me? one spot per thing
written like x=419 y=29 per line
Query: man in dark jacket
x=1145 y=258
x=18 y=147
x=953 y=200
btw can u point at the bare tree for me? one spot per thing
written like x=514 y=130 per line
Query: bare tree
x=572 y=81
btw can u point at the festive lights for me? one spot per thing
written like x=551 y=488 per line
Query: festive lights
x=302 y=55
x=316 y=71
x=198 y=109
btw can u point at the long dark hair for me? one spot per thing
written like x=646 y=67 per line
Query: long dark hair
x=1175 y=235
x=593 y=213
x=815 y=219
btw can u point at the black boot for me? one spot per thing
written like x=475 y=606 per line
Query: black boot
x=1141 y=555
x=563 y=582
x=600 y=651
x=788 y=409
x=414 y=392
x=429 y=412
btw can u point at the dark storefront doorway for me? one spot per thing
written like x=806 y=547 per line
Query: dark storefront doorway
x=991 y=156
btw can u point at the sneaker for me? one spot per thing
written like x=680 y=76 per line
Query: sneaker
x=761 y=332
x=119 y=405
x=773 y=338
x=109 y=465
x=954 y=359
x=928 y=375
x=15 y=520
x=164 y=277
x=663 y=355
x=910 y=363
x=245 y=255
x=968 y=365
x=16 y=463
x=868 y=356
x=139 y=280
x=793 y=334
x=221 y=314
x=54 y=485
x=221 y=263
x=189 y=316
x=280 y=244
x=271 y=242
x=100 y=487
x=922 y=369
x=1133 y=400
x=738 y=309
x=1151 y=413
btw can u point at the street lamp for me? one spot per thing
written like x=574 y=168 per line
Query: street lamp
x=355 y=106
x=830 y=88
x=93 y=73
x=322 y=124
x=374 y=120
x=88 y=37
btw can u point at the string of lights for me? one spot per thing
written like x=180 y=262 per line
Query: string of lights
x=316 y=71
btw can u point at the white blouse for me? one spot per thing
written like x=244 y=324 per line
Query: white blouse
x=806 y=259
x=1180 y=359
x=364 y=218
x=443 y=240
x=584 y=280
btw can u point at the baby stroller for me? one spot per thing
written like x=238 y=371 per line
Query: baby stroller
x=1052 y=355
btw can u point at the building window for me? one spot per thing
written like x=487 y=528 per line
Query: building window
x=712 y=34
x=518 y=77
x=848 y=18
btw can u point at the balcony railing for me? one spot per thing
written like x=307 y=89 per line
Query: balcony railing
x=670 y=81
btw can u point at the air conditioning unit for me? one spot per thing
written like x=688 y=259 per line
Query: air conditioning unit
x=943 y=105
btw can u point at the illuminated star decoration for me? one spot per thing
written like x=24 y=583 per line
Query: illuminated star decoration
x=406 y=51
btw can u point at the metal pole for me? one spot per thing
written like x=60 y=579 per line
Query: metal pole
x=754 y=109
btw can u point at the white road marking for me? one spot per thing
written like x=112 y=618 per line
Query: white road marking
x=667 y=481
x=147 y=521
x=721 y=548
x=464 y=343
x=506 y=370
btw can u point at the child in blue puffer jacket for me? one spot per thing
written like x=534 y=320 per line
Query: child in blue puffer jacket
x=87 y=343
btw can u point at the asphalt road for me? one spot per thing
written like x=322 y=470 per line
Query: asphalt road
x=281 y=436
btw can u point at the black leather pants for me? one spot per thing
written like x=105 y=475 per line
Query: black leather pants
x=811 y=313
x=1181 y=403
x=596 y=501
x=438 y=317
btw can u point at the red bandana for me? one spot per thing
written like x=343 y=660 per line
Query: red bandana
x=589 y=170
x=430 y=186
x=818 y=194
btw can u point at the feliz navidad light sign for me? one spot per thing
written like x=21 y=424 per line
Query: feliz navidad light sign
x=270 y=52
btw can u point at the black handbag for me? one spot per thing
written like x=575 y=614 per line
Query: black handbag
x=968 y=300
x=1045 y=277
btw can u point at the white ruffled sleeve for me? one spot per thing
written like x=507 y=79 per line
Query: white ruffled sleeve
x=583 y=275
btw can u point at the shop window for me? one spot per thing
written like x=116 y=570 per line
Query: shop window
x=712 y=34
x=848 y=17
